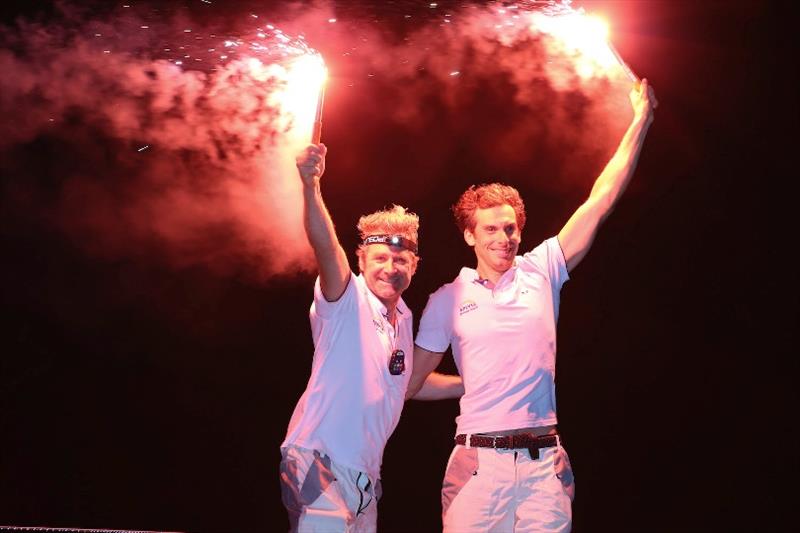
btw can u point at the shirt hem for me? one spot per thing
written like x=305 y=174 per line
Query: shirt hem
x=507 y=427
x=436 y=352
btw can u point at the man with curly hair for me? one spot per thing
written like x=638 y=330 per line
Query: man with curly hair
x=362 y=331
x=508 y=471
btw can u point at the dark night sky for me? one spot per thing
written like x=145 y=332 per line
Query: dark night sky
x=135 y=394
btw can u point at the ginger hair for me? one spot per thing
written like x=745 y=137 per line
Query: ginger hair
x=485 y=196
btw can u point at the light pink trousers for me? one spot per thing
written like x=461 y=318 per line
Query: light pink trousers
x=323 y=497
x=505 y=491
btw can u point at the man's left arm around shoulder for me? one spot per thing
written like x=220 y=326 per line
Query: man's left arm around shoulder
x=578 y=233
x=425 y=384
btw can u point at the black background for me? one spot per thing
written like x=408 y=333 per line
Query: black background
x=140 y=397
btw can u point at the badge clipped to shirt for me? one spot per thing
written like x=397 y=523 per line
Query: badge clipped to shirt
x=397 y=362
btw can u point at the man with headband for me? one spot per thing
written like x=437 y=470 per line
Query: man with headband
x=362 y=331
x=508 y=471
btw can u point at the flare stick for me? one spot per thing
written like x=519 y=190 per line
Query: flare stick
x=632 y=75
x=316 y=133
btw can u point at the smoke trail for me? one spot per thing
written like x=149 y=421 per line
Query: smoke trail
x=161 y=151
x=183 y=166
x=423 y=57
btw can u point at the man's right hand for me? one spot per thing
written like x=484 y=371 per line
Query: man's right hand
x=334 y=270
x=311 y=163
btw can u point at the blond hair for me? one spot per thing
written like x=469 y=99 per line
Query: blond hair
x=395 y=220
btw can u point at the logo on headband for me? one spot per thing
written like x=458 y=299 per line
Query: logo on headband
x=392 y=240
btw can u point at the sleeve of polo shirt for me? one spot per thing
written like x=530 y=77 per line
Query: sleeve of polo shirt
x=548 y=259
x=435 y=326
x=325 y=309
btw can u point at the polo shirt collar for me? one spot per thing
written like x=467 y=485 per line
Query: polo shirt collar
x=470 y=275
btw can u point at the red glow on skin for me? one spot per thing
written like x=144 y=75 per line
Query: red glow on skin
x=496 y=238
x=387 y=271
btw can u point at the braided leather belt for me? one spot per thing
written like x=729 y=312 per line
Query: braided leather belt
x=528 y=441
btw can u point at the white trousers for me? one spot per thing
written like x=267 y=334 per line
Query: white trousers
x=323 y=497
x=505 y=491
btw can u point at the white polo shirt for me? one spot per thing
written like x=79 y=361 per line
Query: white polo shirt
x=352 y=403
x=503 y=340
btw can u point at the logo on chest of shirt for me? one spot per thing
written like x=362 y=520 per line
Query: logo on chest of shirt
x=378 y=324
x=466 y=306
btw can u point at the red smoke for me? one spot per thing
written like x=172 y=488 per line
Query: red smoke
x=183 y=167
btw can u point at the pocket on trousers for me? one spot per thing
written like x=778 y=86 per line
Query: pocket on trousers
x=290 y=485
x=296 y=494
x=563 y=470
x=462 y=466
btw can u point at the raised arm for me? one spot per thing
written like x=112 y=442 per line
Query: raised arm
x=334 y=270
x=577 y=235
